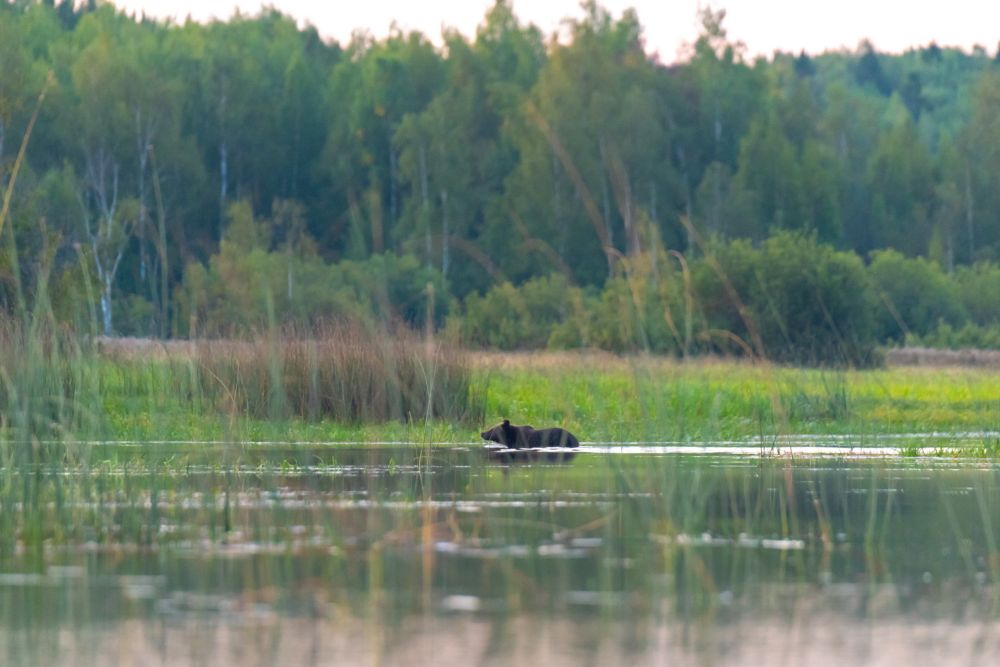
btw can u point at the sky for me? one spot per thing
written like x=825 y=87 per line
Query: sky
x=762 y=25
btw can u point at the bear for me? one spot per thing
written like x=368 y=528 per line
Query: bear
x=527 y=437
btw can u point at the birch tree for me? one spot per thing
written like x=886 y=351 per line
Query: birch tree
x=105 y=124
x=107 y=231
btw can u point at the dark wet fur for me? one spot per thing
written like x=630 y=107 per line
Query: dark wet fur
x=528 y=437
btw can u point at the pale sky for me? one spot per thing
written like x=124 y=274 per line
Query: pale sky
x=763 y=25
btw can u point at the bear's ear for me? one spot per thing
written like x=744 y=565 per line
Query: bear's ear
x=506 y=422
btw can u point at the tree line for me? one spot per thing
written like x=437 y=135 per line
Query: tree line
x=187 y=179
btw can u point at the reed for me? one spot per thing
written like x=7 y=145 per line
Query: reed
x=345 y=373
x=49 y=389
x=48 y=395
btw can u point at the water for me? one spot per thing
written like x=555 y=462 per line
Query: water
x=285 y=554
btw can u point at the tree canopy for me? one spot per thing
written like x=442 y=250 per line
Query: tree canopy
x=499 y=159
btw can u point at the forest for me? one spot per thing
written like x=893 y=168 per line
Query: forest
x=514 y=190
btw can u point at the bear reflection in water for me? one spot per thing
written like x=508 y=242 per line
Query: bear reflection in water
x=526 y=443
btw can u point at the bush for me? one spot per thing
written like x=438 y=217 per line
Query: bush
x=724 y=266
x=525 y=317
x=979 y=290
x=803 y=302
x=815 y=305
x=134 y=316
x=643 y=310
x=250 y=285
x=635 y=311
x=241 y=294
x=916 y=295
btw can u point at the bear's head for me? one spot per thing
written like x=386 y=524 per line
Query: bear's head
x=504 y=433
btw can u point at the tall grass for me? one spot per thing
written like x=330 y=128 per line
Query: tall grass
x=343 y=373
x=48 y=395
x=49 y=385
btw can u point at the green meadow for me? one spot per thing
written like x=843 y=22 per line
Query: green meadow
x=602 y=398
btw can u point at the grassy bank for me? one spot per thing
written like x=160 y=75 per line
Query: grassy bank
x=350 y=386
x=608 y=398
x=600 y=397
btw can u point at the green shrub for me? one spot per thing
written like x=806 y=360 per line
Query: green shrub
x=525 y=317
x=801 y=301
x=638 y=310
x=645 y=309
x=967 y=336
x=814 y=304
x=134 y=316
x=722 y=282
x=916 y=295
x=979 y=290
x=240 y=294
x=250 y=285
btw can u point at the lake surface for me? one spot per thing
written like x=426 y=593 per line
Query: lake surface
x=408 y=555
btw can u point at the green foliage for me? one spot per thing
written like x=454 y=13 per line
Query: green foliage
x=250 y=285
x=646 y=308
x=968 y=336
x=979 y=289
x=525 y=317
x=791 y=299
x=218 y=178
x=980 y=179
x=900 y=174
x=916 y=295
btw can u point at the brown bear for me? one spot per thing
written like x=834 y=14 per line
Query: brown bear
x=527 y=437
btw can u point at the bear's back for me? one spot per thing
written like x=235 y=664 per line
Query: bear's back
x=552 y=437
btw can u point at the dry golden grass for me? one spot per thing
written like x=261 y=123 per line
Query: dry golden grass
x=923 y=356
x=598 y=360
x=132 y=349
x=342 y=372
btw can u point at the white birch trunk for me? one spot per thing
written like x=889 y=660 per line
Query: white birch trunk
x=109 y=240
x=444 y=233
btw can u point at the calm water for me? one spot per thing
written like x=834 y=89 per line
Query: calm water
x=281 y=555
